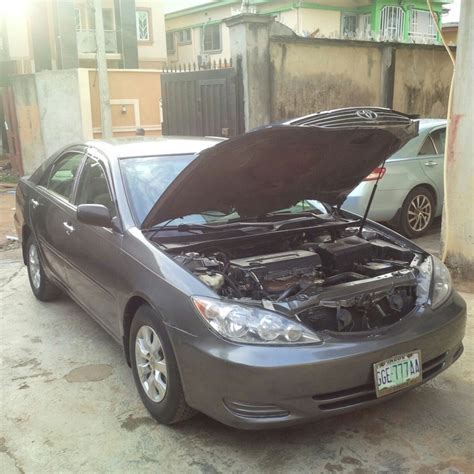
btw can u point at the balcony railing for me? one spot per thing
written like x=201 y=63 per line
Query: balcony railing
x=86 y=41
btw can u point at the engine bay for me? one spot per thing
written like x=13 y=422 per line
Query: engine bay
x=343 y=280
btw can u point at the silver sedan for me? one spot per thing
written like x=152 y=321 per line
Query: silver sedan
x=410 y=190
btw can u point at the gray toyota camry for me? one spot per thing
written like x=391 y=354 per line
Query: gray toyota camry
x=232 y=278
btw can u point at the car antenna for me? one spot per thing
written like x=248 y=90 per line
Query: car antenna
x=372 y=194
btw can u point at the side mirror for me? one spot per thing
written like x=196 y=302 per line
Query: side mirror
x=94 y=214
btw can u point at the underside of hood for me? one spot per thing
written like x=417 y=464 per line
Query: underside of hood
x=323 y=156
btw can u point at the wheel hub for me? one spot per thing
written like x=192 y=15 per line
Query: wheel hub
x=151 y=364
x=34 y=266
x=419 y=213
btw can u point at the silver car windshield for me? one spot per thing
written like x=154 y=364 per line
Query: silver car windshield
x=146 y=179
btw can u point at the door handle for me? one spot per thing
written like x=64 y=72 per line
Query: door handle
x=34 y=203
x=69 y=228
x=431 y=163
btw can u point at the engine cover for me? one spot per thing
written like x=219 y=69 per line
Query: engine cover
x=279 y=264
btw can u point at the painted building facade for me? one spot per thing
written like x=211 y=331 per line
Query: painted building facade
x=40 y=35
x=199 y=35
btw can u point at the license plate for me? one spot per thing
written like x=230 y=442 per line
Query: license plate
x=397 y=373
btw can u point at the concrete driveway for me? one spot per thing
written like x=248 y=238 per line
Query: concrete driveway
x=68 y=404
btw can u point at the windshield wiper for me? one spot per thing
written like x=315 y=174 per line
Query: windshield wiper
x=231 y=225
x=274 y=225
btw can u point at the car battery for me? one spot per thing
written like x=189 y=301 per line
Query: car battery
x=341 y=254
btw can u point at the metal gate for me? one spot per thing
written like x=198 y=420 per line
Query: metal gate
x=202 y=103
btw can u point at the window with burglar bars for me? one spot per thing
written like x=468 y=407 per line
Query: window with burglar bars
x=422 y=27
x=391 y=23
x=170 y=42
x=143 y=25
x=349 y=25
x=211 y=38
x=365 y=25
x=184 y=36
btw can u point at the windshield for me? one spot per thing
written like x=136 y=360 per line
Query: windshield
x=147 y=178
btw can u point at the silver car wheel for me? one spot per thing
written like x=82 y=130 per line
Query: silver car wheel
x=34 y=266
x=419 y=213
x=151 y=363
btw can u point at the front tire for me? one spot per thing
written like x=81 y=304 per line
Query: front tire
x=41 y=285
x=155 y=369
x=417 y=212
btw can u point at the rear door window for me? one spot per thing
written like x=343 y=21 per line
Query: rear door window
x=439 y=139
x=428 y=147
x=63 y=174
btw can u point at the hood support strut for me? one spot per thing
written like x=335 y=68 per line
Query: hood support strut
x=369 y=204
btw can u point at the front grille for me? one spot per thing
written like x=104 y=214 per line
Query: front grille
x=359 y=117
x=255 y=411
x=365 y=393
x=433 y=366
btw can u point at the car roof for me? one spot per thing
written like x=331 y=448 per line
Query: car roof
x=428 y=123
x=153 y=146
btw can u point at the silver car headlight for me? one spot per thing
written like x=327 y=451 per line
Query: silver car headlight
x=441 y=284
x=251 y=325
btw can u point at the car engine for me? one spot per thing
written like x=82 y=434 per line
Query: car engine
x=345 y=283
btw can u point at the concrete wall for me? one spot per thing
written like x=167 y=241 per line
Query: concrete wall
x=29 y=122
x=135 y=99
x=310 y=75
x=422 y=80
x=56 y=108
x=450 y=35
x=60 y=108
x=458 y=217
x=48 y=108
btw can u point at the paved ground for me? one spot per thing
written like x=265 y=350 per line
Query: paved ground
x=7 y=204
x=68 y=404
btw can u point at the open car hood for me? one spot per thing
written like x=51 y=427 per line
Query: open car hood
x=323 y=157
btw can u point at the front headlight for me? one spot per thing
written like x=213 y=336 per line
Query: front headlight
x=441 y=283
x=251 y=325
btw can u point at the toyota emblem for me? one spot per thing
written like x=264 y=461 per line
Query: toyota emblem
x=367 y=114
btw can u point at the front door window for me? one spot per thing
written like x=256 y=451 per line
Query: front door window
x=93 y=187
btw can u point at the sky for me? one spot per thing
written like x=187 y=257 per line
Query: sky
x=454 y=12
x=172 y=5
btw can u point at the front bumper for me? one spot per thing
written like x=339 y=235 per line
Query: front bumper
x=261 y=387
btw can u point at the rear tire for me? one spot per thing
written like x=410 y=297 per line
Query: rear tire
x=417 y=212
x=155 y=369
x=41 y=285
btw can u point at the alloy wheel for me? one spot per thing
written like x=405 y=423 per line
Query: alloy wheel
x=34 y=266
x=151 y=363
x=419 y=212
